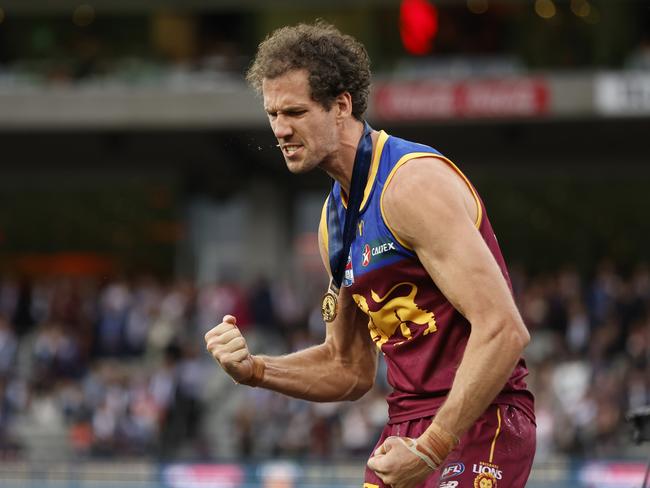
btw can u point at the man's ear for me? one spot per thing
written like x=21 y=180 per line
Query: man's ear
x=343 y=105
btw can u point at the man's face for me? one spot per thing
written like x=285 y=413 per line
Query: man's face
x=306 y=132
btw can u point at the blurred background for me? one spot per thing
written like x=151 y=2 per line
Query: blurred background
x=142 y=198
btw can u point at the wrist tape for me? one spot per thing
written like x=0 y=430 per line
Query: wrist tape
x=433 y=446
x=412 y=445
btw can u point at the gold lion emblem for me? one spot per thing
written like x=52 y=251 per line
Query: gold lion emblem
x=485 y=480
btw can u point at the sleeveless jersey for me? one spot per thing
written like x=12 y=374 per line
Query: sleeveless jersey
x=417 y=329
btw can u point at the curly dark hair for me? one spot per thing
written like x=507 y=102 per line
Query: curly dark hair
x=336 y=62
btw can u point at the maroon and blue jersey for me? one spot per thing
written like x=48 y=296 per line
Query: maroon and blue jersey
x=421 y=335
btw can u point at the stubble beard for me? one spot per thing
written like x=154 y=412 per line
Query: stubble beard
x=302 y=166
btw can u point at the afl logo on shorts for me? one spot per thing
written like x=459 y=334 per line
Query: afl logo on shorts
x=366 y=255
x=451 y=470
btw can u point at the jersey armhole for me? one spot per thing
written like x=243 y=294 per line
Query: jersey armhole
x=416 y=155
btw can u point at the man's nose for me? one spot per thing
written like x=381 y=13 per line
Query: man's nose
x=281 y=128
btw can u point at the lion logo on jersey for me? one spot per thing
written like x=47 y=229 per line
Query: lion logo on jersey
x=390 y=313
x=485 y=480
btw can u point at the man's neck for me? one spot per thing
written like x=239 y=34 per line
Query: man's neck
x=340 y=168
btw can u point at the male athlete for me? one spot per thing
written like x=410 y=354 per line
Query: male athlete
x=424 y=282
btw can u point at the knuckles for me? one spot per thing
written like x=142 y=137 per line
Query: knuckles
x=219 y=330
x=228 y=347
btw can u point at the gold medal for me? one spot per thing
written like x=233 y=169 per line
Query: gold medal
x=329 y=306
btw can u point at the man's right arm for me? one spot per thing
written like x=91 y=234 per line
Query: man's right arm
x=343 y=367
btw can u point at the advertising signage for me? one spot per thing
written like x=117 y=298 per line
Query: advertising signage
x=489 y=98
x=623 y=94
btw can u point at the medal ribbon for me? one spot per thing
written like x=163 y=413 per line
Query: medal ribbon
x=339 y=241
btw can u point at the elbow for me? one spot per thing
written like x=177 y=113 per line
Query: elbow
x=518 y=335
x=362 y=386
x=524 y=336
x=519 y=332
x=361 y=380
x=509 y=332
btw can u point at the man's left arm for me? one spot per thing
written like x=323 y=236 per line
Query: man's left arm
x=439 y=224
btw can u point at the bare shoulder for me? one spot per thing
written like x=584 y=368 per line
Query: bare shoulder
x=431 y=209
x=423 y=190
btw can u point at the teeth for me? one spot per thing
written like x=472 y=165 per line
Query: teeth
x=291 y=149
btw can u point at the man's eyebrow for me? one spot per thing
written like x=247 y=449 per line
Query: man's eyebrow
x=289 y=109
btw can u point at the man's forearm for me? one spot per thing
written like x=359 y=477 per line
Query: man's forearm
x=486 y=366
x=315 y=374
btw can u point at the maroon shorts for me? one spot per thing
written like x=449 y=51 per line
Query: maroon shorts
x=497 y=452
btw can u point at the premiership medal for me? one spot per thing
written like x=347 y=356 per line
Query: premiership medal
x=329 y=306
x=340 y=237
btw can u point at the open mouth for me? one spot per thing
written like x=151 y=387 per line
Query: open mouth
x=291 y=149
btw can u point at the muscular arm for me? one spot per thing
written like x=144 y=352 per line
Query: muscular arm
x=342 y=368
x=439 y=226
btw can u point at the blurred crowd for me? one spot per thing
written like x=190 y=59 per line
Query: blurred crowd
x=589 y=357
x=94 y=369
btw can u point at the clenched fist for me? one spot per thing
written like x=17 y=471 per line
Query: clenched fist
x=398 y=464
x=228 y=347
